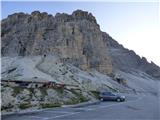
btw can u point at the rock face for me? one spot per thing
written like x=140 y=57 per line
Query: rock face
x=75 y=38
x=127 y=60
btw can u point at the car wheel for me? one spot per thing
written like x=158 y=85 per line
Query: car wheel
x=118 y=100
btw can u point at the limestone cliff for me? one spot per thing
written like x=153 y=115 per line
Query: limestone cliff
x=76 y=38
x=127 y=60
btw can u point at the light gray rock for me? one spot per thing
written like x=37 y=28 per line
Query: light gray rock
x=7 y=99
x=76 y=38
x=127 y=60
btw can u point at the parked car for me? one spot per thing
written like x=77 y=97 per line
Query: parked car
x=109 y=96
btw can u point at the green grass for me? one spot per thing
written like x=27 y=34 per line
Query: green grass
x=17 y=90
x=31 y=90
x=6 y=107
x=59 y=90
x=72 y=101
x=80 y=97
x=95 y=93
x=50 y=105
x=43 y=91
x=24 y=105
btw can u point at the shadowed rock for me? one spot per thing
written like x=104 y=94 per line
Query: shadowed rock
x=127 y=60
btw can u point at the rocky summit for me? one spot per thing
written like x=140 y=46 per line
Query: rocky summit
x=76 y=38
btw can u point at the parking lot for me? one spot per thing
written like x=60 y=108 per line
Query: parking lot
x=134 y=107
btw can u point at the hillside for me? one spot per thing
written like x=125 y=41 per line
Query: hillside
x=127 y=60
x=81 y=85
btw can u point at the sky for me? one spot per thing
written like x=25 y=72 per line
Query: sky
x=135 y=25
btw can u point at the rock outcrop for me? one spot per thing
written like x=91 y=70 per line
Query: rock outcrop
x=127 y=60
x=76 y=38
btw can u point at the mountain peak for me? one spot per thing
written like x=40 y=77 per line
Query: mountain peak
x=75 y=37
x=80 y=14
x=40 y=34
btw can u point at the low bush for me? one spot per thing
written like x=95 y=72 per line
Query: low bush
x=17 y=90
x=50 y=105
x=9 y=106
x=95 y=93
x=24 y=105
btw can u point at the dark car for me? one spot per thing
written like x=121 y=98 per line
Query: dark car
x=109 y=96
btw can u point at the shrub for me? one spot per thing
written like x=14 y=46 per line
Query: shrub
x=59 y=90
x=50 y=105
x=17 y=90
x=24 y=105
x=9 y=106
x=95 y=93
x=80 y=97
x=72 y=101
x=43 y=91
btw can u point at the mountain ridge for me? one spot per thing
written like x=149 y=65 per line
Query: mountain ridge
x=42 y=34
x=135 y=61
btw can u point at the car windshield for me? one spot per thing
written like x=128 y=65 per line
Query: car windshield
x=113 y=93
x=108 y=93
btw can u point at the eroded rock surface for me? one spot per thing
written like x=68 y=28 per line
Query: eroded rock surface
x=127 y=60
x=76 y=38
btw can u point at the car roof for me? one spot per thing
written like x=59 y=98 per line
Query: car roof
x=106 y=92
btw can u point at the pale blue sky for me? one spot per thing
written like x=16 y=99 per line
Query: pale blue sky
x=133 y=24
